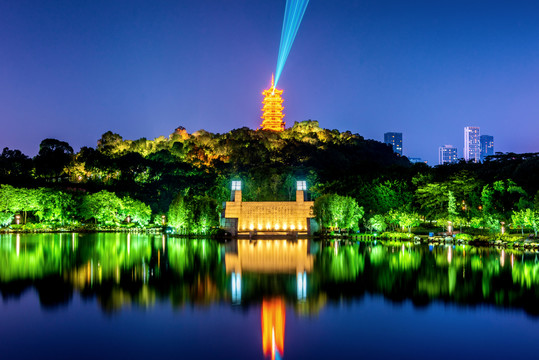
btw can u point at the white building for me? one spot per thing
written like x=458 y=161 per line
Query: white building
x=472 y=150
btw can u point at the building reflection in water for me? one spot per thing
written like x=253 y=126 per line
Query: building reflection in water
x=236 y=288
x=302 y=285
x=270 y=257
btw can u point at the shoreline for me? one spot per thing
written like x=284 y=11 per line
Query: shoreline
x=521 y=243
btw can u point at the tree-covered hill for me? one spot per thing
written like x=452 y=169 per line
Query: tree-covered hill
x=204 y=163
x=201 y=166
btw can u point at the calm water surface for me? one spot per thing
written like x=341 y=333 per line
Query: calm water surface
x=75 y=296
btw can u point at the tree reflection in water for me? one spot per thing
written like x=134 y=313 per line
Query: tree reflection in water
x=132 y=269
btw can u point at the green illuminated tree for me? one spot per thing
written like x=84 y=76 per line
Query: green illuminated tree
x=389 y=195
x=431 y=198
x=179 y=214
x=377 y=223
x=6 y=192
x=54 y=206
x=531 y=219
x=486 y=221
x=459 y=221
x=111 y=143
x=6 y=218
x=205 y=214
x=451 y=206
x=139 y=212
x=337 y=211
x=104 y=207
x=322 y=211
x=518 y=220
x=352 y=213
x=18 y=200
x=196 y=214
x=404 y=219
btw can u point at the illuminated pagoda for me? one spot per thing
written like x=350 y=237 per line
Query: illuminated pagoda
x=272 y=117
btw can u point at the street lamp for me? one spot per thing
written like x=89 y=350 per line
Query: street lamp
x=163 y=217
x=17 y=219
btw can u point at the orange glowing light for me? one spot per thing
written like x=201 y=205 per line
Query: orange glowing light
x=272 y=117
x=273 y=321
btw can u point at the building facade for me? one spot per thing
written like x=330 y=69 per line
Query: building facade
x=268 y=217
x=471 y=144
x=487 y=146
x=447 y=154
x=395 y=140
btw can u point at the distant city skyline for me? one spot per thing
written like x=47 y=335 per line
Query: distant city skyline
x=476 y=147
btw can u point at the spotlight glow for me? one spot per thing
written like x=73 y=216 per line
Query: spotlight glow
x=293 y=14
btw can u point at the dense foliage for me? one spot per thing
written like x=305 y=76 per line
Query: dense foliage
x=335 y=211
x=384 y=190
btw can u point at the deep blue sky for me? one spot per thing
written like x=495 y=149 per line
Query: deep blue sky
x=74 y=69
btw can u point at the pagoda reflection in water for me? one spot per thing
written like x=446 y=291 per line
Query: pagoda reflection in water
x=280 y=257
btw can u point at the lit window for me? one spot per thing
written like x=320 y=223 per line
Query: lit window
x=236 y=185
x=302 y=185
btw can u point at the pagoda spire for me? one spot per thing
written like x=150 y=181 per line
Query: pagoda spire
x=272 y=111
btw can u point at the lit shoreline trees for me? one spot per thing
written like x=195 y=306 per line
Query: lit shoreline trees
x=376 y=223
x=404 y=219
x=105 y=207
x=526 y=218
x=196 y=215
x=56 y=207
x=335 y=211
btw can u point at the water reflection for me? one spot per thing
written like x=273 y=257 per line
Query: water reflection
x=122 y=270
x=273 y=325
x=274 y=261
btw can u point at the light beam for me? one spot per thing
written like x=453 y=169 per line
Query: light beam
x=293 y=14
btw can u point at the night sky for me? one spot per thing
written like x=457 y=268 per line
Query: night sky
x=73 y=70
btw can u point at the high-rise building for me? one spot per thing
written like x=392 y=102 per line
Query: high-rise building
x=395 y=140
x=272 y=117
x=487 y=146
x=447 y=154
x=471 y=144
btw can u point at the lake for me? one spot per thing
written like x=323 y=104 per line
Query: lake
x=133 y=296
